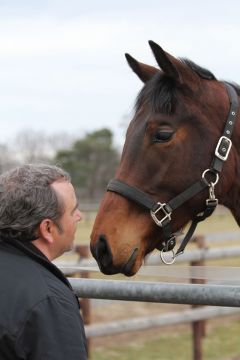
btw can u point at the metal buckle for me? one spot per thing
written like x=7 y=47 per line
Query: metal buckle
x=225 y=149
x=165 y=211
x=212 y=202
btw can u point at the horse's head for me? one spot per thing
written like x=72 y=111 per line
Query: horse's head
x=179 y=116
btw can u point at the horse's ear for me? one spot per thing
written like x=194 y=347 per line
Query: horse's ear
x=164 y=61
x=143 y=71
x=174 y=67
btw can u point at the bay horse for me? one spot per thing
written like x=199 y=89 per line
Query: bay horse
x=181 y=156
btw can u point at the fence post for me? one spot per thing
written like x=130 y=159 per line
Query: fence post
x=85 y=304
x=198 y=327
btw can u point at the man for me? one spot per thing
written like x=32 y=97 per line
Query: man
x=39 y=313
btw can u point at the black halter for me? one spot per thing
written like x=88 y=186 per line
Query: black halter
x=161 y=212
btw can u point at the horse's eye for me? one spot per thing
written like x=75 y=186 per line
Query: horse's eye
x=163 y=135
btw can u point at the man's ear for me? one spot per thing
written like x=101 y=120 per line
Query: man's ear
x=46 y=229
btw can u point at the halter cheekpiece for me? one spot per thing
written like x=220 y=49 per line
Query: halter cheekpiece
x=161 y=212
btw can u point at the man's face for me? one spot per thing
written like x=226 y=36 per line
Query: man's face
x=64 y=237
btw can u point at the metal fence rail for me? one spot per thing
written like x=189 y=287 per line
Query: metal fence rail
x=149 y=322
x=216 y=295
x=199 y=254
x=154 y=259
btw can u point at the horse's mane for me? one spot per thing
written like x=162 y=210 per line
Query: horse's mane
x=206 y=74
x=160 y=91
x=201 y=71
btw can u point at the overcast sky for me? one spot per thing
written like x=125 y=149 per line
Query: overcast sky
x=62 y=64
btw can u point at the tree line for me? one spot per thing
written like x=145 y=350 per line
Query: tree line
x=90 y=160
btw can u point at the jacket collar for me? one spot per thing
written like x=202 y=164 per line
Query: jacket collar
x=33 y=252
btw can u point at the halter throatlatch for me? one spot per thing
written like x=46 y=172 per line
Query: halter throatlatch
x=161 y=212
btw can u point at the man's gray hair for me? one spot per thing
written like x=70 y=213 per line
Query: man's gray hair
x=27 y=198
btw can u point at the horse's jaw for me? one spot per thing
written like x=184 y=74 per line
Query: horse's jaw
x=231 y=198
x=232 y=202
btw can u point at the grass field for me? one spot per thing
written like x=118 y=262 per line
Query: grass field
x=222 y=335
x=221 y=343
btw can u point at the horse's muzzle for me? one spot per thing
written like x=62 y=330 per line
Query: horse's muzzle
x=102 y=253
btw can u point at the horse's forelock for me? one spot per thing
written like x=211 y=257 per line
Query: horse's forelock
x=159 y=93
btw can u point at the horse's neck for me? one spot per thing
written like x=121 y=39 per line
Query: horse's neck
x=232 y=198
x=233 y=203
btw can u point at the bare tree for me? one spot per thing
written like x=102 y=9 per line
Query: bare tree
x=32 y=146
x=7 y=160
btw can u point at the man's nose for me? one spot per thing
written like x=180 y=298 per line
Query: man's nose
x=79 y=215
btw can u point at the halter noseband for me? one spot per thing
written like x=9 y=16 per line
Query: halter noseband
x=161 y=212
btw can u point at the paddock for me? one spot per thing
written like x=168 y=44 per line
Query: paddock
x=222 y=300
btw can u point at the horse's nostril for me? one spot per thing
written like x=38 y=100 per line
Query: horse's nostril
x=103 y=251
x=101 y=246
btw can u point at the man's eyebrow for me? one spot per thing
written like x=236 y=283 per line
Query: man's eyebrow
x=75 y=207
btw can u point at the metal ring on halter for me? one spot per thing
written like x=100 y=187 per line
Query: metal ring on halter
x=163 y=259
x=212 y=172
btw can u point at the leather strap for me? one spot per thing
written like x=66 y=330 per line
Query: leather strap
x=143 y=199
x=224 y=145
x=207 y=212
x=132 y=193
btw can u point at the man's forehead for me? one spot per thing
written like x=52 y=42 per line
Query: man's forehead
x=65 y=189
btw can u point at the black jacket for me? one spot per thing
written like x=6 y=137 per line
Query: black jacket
x=39 y=313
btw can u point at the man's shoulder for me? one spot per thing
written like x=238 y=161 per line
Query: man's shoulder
x=21 y=274
x=25 y=284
